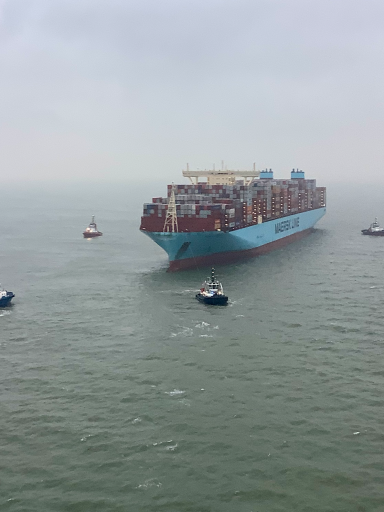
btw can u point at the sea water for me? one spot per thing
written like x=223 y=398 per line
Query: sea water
x=120 y=392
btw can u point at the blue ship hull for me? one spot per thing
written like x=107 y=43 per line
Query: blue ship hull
x=6 y=300
x=192 y=249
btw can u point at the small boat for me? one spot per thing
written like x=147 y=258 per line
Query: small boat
x=92 y=231
x=374 y=229
x=5 y=298
x=211 y=292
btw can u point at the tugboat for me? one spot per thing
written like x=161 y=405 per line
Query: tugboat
x=211 y=292
x=374 y=229
x=5 y=298
x=92 y=231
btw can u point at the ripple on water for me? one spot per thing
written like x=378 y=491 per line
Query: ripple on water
x=175 y=392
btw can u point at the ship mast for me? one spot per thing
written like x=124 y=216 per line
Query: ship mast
x=170 y=223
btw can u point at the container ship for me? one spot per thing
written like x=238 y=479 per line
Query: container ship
x=231 y=215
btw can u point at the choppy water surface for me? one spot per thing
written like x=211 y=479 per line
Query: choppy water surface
x=120 y=392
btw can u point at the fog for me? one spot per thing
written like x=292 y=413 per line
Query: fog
x=130 y=91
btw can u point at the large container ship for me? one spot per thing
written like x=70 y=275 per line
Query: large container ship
x=231 y=215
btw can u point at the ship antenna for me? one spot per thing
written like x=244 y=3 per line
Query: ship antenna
x=170 y=223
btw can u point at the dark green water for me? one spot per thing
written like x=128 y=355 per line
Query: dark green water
x=120 y=392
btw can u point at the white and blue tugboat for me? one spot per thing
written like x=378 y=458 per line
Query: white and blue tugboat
x=5 y=298
x=211 y=292
x=374 y=229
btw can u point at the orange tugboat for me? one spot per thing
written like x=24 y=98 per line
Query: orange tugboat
x=92 y=231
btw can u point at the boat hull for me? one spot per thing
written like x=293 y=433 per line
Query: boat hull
x=372 y=233
x=92 y=235
x=6 y=301
x=195 y=249
x=221 y=300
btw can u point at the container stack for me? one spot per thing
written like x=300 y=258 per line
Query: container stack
x=207 y=207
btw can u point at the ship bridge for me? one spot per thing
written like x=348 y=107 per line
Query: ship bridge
x=222 y=177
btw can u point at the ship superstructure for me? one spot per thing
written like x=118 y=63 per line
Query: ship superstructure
x=231 y=215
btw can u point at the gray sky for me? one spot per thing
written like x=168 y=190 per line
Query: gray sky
x=133 y=89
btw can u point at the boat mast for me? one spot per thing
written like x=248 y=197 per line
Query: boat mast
x=170 y=223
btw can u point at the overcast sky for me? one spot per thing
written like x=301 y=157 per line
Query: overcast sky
x=134 y=89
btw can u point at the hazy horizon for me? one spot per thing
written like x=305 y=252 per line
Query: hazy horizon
x=132 y=91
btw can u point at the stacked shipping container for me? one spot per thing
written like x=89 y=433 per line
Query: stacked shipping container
x=205 y=207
